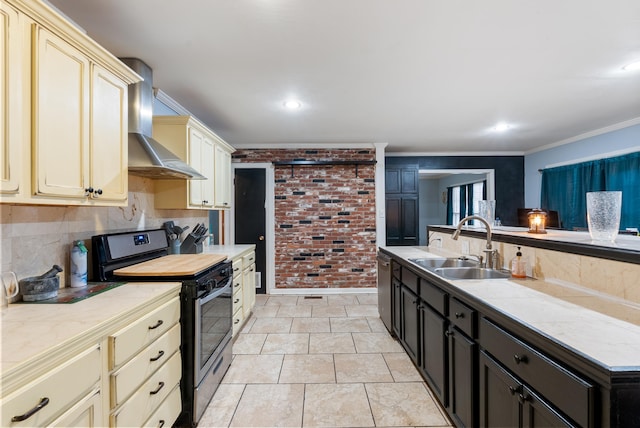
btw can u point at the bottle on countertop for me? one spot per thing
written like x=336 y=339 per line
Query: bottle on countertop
x=518 y=266
x=78 y=265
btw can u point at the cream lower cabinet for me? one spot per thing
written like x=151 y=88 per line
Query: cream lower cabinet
x=145 y=367
x=85 y=414
x=66 y=104
x=129 y=377
x=193 y=142
x=58 y=392
x=248 y=283
x=244 y=289
x=238 y=312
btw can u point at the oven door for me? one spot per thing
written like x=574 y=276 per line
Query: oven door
x=213 y=314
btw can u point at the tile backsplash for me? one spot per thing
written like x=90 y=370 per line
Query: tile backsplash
x=613 y=278
x=34 y=237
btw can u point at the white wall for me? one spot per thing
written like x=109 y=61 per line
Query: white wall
x=605 y=144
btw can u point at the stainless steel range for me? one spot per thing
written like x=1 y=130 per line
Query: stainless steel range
x=205 y=298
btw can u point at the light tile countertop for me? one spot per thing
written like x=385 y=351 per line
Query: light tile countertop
x=623 y=242
x=31 y=331
x=230 y=250
x=604 y=329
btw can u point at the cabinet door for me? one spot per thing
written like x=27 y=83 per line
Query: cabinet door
x=462 y=378
x=207 y=169
x=402 y=220
x=410 y=325
x=248 y=289
x=409 y=224
x=409 y=179
x=401 y=179
x=538 y=414
x=396 y=305
x=196 y=141
x=394 y=220
x=10 y=111
x=87 y=413
x=61 y=118
x=499 y=406
x=109 y=152
x=222 y=179
x=434 y=362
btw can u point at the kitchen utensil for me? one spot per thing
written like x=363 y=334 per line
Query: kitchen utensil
x=41 y=287
x=9 y=288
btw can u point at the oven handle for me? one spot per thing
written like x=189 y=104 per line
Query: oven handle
x=218 y=291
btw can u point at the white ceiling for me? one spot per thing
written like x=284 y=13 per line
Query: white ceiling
x=421 y=75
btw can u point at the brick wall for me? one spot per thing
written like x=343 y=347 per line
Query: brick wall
x=325 y=218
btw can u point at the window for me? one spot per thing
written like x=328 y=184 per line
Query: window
x=463 y=201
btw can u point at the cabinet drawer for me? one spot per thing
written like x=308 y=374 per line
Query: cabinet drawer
x=434 y=296
x=130 y=340
x=238 y=316
x=248 y=260
x=395 y=270
x=237 y=299
x=78 y=375
x=237 y=268
x=237 y=283
x=463 y=317
x=136 y=410
x=130 y=376
x=572 y=395
x=410 y=279
x=168 y=411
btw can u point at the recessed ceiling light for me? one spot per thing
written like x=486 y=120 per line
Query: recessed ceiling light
x=501 y=127
x=632 y=67
x=292 y=104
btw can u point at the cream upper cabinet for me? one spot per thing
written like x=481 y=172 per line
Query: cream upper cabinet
x=10 y=85
x=222 y=191
x=201 y=159
x=80 y=142
x=61 y=118
x=109 y=136
x=189 y=139
x=63 y=112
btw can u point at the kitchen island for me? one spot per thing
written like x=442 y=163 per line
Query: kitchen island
x=528 y=352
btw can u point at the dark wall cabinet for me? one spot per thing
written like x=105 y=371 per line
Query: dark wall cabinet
x=401 y=205
x=485 y=375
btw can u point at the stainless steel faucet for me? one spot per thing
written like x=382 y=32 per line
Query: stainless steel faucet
x=492 y=255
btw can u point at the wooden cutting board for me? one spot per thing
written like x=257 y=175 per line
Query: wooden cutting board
x=172 y=265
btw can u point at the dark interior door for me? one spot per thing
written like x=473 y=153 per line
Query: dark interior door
x=250 y=216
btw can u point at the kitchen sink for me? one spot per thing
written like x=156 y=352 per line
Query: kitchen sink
x=472 y=273
x=432 y=264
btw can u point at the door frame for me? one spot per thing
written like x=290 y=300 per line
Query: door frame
x=270 y=234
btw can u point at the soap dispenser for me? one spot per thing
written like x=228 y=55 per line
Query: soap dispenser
x=518 y=266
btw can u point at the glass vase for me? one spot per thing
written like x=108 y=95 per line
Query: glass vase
x=603 y=215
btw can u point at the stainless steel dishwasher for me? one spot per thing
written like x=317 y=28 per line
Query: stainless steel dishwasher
x=384 y=290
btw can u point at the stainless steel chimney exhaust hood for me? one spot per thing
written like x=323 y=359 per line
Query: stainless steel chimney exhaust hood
x=148 y=157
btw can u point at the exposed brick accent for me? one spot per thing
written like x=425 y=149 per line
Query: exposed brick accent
x=325 y=218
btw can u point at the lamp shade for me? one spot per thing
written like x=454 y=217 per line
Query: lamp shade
x=537 y=221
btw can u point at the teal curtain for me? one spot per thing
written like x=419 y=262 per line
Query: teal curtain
x=623 y=173
x=463 y=202
x=564 y=188
x=450 y=205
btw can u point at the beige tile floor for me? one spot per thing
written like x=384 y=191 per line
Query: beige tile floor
x=325 y=362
